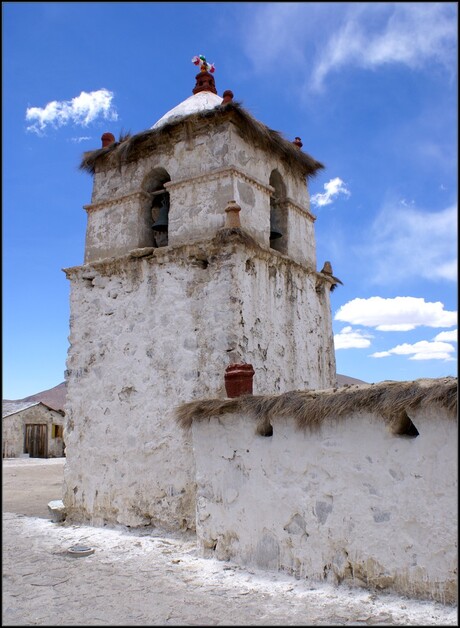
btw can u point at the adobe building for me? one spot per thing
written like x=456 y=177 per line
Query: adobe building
x=32 y=429
x=200 y=253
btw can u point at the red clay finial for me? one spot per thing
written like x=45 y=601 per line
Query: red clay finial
x=228 y=96
x=298 y=142
x=107 y=139
x=204 y=80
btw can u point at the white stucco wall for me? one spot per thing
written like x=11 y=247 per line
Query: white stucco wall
x=138 y=343
x=350 y=503
x=285 y=325
x=147 y=333
x=13 y=430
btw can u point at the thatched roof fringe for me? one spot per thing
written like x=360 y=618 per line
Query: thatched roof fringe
x=311 y=408
x=129 y=148
x=259 y=133
x=205 y=407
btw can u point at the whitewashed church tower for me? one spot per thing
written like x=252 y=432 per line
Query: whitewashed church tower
x=200 y=252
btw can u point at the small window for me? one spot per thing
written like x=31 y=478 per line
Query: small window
x=403 y=426
x=57 y=431
x=265 y=429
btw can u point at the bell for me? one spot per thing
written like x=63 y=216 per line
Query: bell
x=274 y=234
x=161 y=224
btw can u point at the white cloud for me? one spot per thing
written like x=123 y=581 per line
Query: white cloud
x=328 y=37
x=81 y=110
x=446 y=336
x=397 y=314
x=411 y=34
x=348 y=338
x=423 y=350
x=83 y=138
x=404 y=243
x=272 y=31
x=333 y=188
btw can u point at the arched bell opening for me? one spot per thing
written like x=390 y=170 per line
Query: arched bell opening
x=158 y=205
x=278 y=215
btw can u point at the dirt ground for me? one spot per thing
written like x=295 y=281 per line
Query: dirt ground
x=146 y=578
x=30 y=483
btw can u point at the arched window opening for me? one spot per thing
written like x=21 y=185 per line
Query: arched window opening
x=403 y=426
x=278 y=216
x=158 y=206
x=265 y=428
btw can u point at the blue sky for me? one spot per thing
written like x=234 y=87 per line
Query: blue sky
x=371 y=89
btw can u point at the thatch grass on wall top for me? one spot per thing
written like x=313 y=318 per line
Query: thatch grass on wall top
x=308 y=409
x=130 y=148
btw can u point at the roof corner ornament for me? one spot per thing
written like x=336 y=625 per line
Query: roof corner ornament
x=107 y=139
x=298 y=142
x=227 y=96
x=327 y=271
x=204 y=79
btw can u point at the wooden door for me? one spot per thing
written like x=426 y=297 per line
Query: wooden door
x=36 y=440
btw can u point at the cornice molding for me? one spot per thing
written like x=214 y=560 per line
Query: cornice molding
x=290 y=203
x=92 y=207
x=220 y=173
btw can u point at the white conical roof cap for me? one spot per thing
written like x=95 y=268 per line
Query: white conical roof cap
x=202 y=101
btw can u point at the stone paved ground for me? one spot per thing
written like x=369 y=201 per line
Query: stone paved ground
x=144 y=578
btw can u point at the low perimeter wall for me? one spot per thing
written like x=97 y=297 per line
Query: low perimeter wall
x=346 y=500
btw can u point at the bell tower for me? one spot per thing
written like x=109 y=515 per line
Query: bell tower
x=200 y=252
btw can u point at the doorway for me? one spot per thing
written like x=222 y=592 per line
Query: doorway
x=36 y=440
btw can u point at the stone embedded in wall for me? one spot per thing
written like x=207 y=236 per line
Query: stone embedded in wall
x=322 y=510
x=267 y=551
x=143 y=252
x=296 y=525
x=246 y=194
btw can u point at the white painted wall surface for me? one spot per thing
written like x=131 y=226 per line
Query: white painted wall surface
x=285 y=325
x=149 y=333
x=138 y=345
x=351 y=502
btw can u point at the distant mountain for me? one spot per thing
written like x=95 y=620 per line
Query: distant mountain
x=344 y=380
x=55 y=397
